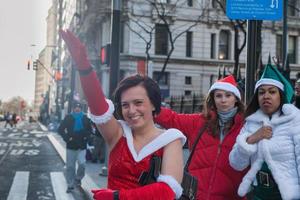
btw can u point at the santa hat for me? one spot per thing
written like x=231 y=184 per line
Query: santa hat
x=228 y=84
x=271 y=76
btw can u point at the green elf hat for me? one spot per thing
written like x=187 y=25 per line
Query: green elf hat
x=271 y=76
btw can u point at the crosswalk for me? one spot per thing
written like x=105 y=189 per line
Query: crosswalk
x=19 y=187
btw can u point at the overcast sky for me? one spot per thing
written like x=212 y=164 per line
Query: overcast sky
x=22 y=23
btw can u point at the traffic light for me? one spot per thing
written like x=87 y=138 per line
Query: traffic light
x=28 y=65
x=34 y=65
x=105 y=54
x=58 y=75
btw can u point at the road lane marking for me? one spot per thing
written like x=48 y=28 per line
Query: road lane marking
x=19 y=188
x=59 y=186
x=87 y=182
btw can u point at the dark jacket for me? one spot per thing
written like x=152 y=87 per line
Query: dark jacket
x=75 y=140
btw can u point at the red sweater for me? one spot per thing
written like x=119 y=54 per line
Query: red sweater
x=217 y=180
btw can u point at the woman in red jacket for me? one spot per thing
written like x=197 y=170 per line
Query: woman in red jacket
x=223 y=111
x=134 y=139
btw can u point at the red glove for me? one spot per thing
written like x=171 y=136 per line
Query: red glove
x=105 y=194
x=158 y=191
x=89 y=82
x=77 y=49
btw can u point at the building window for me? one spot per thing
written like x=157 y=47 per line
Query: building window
x=190 y=3
x=224 y=42
x=187 y=92
x=161 y=39
x=188 y=80
x=164 y=80
x=213 y=46
x=279 y=47
x=292 y=52
x=213 y=4
x=291 y=8
x=189 y=42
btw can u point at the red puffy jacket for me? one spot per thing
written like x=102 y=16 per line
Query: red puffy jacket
x=217 y=180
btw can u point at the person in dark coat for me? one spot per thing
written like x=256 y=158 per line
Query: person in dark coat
x=75 y=130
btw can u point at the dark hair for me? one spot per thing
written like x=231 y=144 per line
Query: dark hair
x=76 y=104
x=150 y=86
x=253 y=106
x=210 y=112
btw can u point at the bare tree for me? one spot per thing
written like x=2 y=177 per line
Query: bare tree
x=237 y=25
x=13 y=105
x=165 y=13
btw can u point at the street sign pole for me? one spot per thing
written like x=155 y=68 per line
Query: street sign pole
x=284 y=36
x=252 y=11
x=251 y=59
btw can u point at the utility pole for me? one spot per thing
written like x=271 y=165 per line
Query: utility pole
x=115 y=46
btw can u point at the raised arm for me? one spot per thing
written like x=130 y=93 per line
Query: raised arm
x=101 y=109
x=186 y=123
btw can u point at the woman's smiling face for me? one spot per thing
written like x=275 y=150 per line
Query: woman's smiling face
x=136 y=106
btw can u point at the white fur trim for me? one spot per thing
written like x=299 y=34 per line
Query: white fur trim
x=227 y=87
x=102 y=119
x=244 y=147
x=162 y=140
x=269 y=81
x=170 y=181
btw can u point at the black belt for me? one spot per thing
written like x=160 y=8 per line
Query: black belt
x=265 y=179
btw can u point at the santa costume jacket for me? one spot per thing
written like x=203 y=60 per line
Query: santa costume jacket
x=217 y=180
x=281 y=152
x=126 y=165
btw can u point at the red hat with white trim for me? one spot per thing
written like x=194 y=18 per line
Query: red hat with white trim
x=228 y=84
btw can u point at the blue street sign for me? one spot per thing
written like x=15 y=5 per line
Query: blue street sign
x=254 y=9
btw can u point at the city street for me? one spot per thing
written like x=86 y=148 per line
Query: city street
x=31 y=168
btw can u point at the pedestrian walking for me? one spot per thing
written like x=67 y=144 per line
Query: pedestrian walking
x=75 y=130
x=98 y=152
x=14 y=120
x=8 y=119
x=223 y=118
x=133 y=140
x=269 y=141
x=297 y=94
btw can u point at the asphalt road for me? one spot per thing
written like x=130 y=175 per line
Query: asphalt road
x=30 y=167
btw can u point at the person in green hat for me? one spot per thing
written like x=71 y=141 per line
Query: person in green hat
x=270 y=141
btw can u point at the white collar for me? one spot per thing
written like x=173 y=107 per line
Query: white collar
x=159 y=142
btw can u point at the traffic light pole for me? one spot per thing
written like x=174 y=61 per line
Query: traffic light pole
x=114 y=63
x=115 y=46
x=59 y=43
x=71 y=97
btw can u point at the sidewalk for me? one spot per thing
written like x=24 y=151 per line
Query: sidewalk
x=92 y=178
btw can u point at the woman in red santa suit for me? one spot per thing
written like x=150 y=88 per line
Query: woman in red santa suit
x=223 y=117
x=134 y=139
